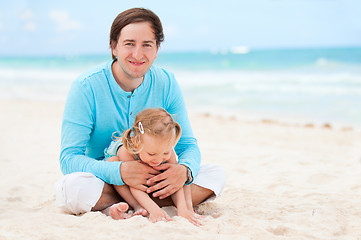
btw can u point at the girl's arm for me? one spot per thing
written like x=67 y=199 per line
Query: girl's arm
x=113 y=159
x=124 y=155
x=182 y=199
x=178 y=197
x=155 y=212
x=178 y=194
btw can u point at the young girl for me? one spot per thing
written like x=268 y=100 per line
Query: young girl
x=151 y=140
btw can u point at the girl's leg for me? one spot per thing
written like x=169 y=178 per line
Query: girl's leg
x=125 y=193
x=188 y=196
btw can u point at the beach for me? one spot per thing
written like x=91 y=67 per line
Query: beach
x=285 y=180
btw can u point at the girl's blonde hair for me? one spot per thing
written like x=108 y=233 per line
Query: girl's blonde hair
x=156 y=122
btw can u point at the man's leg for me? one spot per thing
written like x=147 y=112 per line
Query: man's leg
x=80 y=192
x=108 y=198
x=111 y=204
x=200 y=194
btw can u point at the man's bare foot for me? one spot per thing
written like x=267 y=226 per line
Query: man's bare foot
x=117 y=211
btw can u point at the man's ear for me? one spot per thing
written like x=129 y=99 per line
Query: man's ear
x=113 y=46
x=115 y=52
x=156 y=53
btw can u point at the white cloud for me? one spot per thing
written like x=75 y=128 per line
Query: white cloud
x=2 y=26
x=63 y=21
x=30 y=26
x=27 y=15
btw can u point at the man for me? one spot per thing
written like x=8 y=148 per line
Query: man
x=105 y=100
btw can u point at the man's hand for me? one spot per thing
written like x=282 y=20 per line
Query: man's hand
x=135 y=174
x=168 y=182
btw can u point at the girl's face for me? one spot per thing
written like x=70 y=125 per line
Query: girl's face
x=155 y=150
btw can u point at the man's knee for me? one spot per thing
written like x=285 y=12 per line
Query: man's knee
x=218 y=173
x=78 y=192
x=212 y=177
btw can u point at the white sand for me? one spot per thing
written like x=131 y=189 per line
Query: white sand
x=284 y=182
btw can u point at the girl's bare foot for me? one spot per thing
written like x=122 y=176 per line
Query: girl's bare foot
x=140 y=211
x=117 y=211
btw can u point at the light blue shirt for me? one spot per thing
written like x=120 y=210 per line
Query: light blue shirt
x=96 y=107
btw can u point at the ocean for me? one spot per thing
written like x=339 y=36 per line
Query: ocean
x=298 y=85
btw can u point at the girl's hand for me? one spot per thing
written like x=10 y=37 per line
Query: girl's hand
x=159 y=215
x=190 y=216
x=168 y=182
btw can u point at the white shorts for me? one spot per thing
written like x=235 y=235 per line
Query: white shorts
x=78 y=192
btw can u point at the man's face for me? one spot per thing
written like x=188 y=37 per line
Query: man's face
x=136 y=50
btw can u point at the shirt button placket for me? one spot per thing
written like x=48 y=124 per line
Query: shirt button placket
x=130 y=116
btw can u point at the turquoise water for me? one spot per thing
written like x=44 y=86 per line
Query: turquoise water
x=317 y=85
x=265 y=59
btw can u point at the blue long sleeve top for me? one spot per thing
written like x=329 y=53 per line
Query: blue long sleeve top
x=96 y=107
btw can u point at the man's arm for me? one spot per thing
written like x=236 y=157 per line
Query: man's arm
x=170 y=181
x=77 y=126
x=187 y=147
x=133 y=172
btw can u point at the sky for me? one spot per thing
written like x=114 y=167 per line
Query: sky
x=76 y=27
